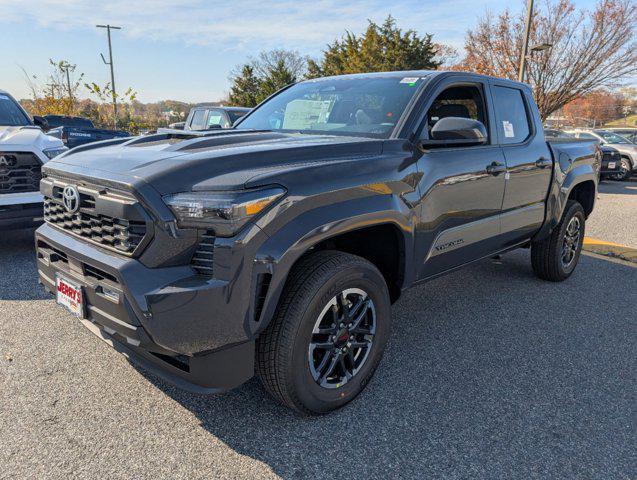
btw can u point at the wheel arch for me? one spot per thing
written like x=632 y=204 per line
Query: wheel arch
x=345 y=227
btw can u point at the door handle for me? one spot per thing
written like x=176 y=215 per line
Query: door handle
x=496 y=169
x=543 y=162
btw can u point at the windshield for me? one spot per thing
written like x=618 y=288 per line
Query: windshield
x=363 y=106
x=11 y=115
x=610 y=137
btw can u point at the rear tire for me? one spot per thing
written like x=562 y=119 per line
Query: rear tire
x=555 y=258
x=313 y=331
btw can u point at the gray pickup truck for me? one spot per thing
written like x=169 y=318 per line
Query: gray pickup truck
x=277 y=247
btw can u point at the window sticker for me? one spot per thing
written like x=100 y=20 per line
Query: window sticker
x=3 y=97
x=508 y=129
x=304 y=114
x=411 y=81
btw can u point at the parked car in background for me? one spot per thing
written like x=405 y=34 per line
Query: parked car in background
x=611 y=158
x=611 y=163
x=76 y=131
x=211 y=117
x=626 y=132
x=24 y=148
x=626 y=148
x=553 y=134
x=277 y=247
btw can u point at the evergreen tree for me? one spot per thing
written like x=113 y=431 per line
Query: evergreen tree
x=381 y=48
x=246 y=88
x=277 y=77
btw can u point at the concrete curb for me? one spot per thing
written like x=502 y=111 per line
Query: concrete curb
x=608 y=249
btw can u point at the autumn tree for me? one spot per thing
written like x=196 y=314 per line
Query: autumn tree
x=58 y=93
x=381 y=48
x=103 y=114
x=589 y=50
x=594 y=108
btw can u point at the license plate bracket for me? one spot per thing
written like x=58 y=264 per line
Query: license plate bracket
x=70 y=295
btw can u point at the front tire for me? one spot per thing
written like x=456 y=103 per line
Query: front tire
x=328 y=335
x=556 y=257
x=625 y=170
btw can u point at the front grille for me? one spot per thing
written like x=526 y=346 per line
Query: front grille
x=118 y=233
x=19 y=172
x=611 y=156
x=112 y=219
x=202 y=260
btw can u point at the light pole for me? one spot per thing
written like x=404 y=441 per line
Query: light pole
x=525 y=44
x=66 y=66
x=110 y=63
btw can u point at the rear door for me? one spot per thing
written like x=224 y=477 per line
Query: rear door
x=528 y=159
x=462 y=187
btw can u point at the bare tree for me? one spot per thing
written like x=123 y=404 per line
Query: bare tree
x=270 y=60
x=589 y=50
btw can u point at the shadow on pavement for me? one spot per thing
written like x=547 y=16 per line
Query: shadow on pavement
x=618 y=188
x=18 y=272
x=490 y=373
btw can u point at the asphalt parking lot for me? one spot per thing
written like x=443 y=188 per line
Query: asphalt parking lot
x=615 y=216
x=490 y=373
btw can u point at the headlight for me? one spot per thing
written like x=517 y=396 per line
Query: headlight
x=54 y=152
x=224 y=212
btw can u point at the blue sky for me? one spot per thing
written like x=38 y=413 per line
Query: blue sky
x=185 y=49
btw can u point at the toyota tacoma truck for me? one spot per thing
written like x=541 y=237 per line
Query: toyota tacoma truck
x=277 y=247
x=24 y=148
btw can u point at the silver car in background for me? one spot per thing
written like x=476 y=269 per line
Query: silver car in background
x=625 y=147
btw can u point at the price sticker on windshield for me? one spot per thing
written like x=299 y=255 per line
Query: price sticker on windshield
x=411 y=81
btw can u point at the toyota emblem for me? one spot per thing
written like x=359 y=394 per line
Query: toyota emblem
x=8 y=160
x=71 y=198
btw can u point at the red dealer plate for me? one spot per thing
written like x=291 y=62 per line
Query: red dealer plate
x=70 y=295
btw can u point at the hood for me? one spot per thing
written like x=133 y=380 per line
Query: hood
x=27 y=138
x=224 y=160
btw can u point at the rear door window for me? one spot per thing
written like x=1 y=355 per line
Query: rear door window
x=512 y=116
x=198 y=120
x=216 y=117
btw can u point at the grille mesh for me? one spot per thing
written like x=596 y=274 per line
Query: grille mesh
x=202 y=260
x=118 y=233
x=19 y=172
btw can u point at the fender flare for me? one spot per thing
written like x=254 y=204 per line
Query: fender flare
x=561 y=188
x=280 y=252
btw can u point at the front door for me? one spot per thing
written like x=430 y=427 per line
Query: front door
x=461 y=189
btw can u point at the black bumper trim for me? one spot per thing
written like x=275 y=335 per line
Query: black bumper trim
x=238 y=359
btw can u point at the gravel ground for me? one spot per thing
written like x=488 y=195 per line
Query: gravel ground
x=615 y=216
x=490 y=373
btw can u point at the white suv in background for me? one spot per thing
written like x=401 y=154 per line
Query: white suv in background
x=625 y=147
x=24 y=148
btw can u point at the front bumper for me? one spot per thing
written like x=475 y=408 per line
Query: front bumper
x=20 y=215
x=191 y=331
x=607 y=170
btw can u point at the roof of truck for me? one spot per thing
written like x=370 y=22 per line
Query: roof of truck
x=418 y=73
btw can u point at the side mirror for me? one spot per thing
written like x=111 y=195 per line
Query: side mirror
x=451 y=131
x=41 y=122
x=216 y=126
